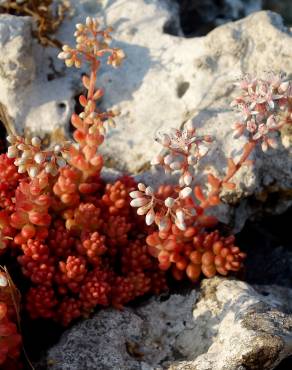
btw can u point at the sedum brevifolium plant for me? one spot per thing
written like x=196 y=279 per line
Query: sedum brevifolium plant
x=79 y=242
x=183 y=241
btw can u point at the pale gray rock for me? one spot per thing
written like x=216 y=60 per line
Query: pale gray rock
x=17 y=65
x=168 y=80
x=35 y=101
x=249 y=330
x=226 y=324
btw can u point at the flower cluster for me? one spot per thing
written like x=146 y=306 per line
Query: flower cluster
x=184 y=151
x=30 y=159
x=265 y=105
x=92 y=43
x=10 y=339
x=77 y=239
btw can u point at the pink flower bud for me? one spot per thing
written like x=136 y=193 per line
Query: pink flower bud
x=192 y=160
x=264 y=146
x=141 y=186
x=26 y=154
x=149 y=191
x=143 y=210
x=12 y=152
x=175 y=165
x=61 y=162
x=271 y=122
x=163 y=223
x=62 y=55
x=21 y=146
x=180 y=215
x=139 y=202
x=181 y=182
x=89 y=21
x=184 y=193
x=33 y=171
x=21 y=169
x=66 y=48
x=190 y=126
x=187 y=178
x=284 y=86
x=169 y=202
x=50 y=168
x=168 y=159
x=165 y=140
x=3 y=281
x=69 y=62
x=39 y=158
x=149 y=219
x=203 y=149
x=36 y=141
x=11 y=139
x=180 y=225
x=156 y=160
x=136 y=194
x=272 y=143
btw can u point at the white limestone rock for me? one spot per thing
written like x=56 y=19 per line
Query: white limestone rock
x=226 y=324
x=238 y=328
x=17 y=68
x=167 y=80
x=35 y=101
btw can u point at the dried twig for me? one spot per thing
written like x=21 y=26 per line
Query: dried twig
x=47 y=19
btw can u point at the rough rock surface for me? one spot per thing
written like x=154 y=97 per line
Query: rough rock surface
x=226 y=325
x=33 y=98
x=168 y=80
